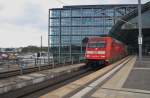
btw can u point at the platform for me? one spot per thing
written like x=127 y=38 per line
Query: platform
x=80 y=87
x=129 y=79
x=132 y=81
x=17 y=82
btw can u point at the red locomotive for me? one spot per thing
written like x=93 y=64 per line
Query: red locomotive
x=104 y=50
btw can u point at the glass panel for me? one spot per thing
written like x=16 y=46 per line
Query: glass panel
x=87 y=12
x=65 y=30
x=76 y=45
x=76 y=21
x=65 y=49
x=65 y=40
x=109 y=12
x=55 y=22
x=76 y=13
x=98 y=30
x=55 y=40
x=65 y=13
x=55 y=13
x=98 y=21
x=91 y=30
x=54 y=49
x=55 y=31
x=76 y=31
x=97 y=12
x=87 y=21
x=66 y=21
x=76 y=39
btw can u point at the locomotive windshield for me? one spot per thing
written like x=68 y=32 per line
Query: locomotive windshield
x=97 y=45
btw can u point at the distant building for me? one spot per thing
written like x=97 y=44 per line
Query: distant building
x=10 y=50
x=1 y=49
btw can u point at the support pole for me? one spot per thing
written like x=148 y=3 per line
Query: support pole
x=41 y=43
x=140 y=30
x=48 y=37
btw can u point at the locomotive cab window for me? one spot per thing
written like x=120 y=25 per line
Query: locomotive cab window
x=97 y=45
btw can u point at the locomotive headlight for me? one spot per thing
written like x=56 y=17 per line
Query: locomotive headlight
x=89 y=52
x=103 y=56
x=101 y=52
x=95 y=52
x=87 y=56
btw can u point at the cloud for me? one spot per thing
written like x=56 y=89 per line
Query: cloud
x=22 y=22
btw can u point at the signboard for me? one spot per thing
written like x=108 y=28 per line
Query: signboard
x=140 y=40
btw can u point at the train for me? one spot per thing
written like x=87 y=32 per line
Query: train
x=104 y=51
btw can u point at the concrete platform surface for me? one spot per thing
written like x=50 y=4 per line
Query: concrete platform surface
x=16 y=82
x=132 y=81
x=139 y=77
x=108 y=93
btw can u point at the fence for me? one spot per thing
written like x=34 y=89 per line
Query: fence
x=25 y=63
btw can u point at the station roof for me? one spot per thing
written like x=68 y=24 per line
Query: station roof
x=114 y=30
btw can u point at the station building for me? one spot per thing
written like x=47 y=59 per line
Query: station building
x=70 y=26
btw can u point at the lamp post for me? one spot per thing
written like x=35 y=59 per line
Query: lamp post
x=140 y=40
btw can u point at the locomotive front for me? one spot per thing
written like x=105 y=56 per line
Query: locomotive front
x=96 y=51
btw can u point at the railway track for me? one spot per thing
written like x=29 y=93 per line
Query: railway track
x=25 y=71
x=60 y=86
x=50 y=82
x=68 y=90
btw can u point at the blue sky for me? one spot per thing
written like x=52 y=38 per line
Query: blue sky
x=22 y=22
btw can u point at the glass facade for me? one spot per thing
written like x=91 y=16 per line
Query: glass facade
x=71 y=25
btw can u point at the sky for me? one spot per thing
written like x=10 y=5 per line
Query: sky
x=23 y=22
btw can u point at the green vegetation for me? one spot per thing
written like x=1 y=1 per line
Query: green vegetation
x=33 y=49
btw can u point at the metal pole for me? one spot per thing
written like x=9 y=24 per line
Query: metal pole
x=140 y=30
x=70 y=53
x=48 y=36
x=41 y=44
x=81 y=51
x=60 y=37
x=41 y=52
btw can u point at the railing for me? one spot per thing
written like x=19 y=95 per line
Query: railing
x=25 y=63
